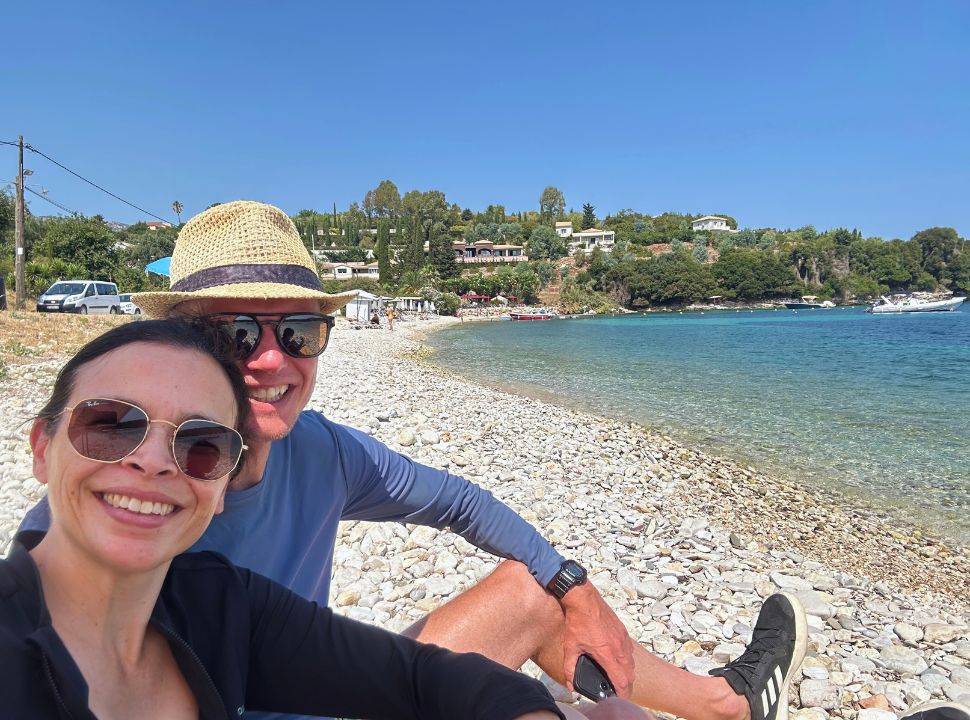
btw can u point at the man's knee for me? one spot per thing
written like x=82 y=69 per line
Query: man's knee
x=515 y=581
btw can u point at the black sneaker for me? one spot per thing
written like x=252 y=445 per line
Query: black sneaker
x=938 y=711
x=763 y=673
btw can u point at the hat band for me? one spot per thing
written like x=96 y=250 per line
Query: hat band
x=232 y=274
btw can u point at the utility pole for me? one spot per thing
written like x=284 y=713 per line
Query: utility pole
x=19 y=231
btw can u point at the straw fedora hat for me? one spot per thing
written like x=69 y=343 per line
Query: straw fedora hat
x=245 y=250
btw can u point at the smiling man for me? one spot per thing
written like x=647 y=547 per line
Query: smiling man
x=243 y=265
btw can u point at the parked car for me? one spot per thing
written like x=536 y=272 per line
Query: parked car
x=80 y=296
x=127 y=306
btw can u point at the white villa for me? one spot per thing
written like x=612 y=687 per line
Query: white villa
x=349 y=270
x=564 y=229
x=711 y=222
x=485 y=251
x=587 y=240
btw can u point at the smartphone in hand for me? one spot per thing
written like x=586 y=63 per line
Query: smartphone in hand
x=591 y=680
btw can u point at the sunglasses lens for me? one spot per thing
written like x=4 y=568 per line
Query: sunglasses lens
x=303 y=336
x=106 y=430
x=245 y=333
x=206 y=450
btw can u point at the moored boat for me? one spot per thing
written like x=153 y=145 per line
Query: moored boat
x=540 y=314
x=808 y=302
x=915 y=305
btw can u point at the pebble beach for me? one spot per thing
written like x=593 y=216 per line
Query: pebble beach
x=684 y=546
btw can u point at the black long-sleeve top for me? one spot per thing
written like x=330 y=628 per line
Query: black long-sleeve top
x=244 y=642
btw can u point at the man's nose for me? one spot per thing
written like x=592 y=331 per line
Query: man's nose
x=267 y=355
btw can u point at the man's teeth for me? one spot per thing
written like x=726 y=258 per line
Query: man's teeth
x=143 y=507
x=268 y=394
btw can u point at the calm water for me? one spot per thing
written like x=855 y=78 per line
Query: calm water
x=870 y=403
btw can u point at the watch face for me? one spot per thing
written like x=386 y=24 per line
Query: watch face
x=574 y=569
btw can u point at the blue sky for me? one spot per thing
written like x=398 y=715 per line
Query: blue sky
x=781 y=114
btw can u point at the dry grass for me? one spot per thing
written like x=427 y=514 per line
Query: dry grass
x=29 y=336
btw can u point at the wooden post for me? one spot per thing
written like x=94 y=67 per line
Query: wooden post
x=19 y=231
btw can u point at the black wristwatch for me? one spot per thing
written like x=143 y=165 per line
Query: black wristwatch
x=570 y=574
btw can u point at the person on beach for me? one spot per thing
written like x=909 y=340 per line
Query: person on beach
x=390 y=317
x=103 y=616
x=243 y=264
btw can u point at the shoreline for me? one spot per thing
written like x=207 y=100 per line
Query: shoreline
x=781 y=498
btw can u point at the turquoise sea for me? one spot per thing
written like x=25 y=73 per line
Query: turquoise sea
x=876 y=405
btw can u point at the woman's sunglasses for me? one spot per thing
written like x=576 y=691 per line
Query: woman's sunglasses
x=300 y=335
x=108 y=431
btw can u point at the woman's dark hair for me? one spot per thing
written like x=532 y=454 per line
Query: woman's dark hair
x=173 y=333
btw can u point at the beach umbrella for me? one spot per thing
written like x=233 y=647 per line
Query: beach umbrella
x=159 y=267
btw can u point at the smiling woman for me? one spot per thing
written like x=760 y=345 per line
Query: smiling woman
x=105 y=616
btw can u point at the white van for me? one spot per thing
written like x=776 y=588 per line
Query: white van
x=80 y=296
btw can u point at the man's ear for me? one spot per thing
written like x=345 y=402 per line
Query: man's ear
x=40 y=441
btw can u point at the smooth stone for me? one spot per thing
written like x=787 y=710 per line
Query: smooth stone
x=811 y=713
x=819 y=693
x=903 y=660
x=875 y=714
x=934 y=681
x=942 y=633
x=790 y=582
x=908 y=633
x=406 y=438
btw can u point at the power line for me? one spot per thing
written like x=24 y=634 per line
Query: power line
x=42 y=196
x=7 y=142
x=93 y=184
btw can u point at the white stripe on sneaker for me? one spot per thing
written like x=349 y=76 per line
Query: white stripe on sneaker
x=772 y=691
x=764 y=702
x=779 y=678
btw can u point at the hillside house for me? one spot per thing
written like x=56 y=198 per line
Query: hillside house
x=588 y=240
x=711 y=222
x=564 y=229
x=485 y=251
x=350 y=271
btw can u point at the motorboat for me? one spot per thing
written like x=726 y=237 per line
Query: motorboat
x=808 y=302
x=540 y=314
x=915 y=305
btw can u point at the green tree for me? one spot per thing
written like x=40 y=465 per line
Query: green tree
x=589 y=216
x=145 y=245
x=85 y=242
x=939 y=245
x=441 y=255
x=177 y=207
x=384 y=270
x=750 y=274
x=545 y=244
x=552 y=204
x=412 y=257
x=384 y=201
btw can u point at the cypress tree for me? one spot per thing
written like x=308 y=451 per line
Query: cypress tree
x=383 y=252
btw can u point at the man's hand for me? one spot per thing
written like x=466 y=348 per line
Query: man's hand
x=593 y=628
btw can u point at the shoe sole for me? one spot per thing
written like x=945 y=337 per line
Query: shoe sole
x=798 y=655
x=912 y=712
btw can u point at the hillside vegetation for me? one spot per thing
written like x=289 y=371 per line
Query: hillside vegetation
x=656 y=261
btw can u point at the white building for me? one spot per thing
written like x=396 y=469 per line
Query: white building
x=711 y=222
x=350 y=270
x=564 y=229
x=588 y=240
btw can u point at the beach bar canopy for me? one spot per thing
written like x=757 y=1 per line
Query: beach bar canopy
x=160 y=267
x=473 y=296
x=362 y=307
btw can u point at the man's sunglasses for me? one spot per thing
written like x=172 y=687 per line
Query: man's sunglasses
x=108 y=431
x=300 y=335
